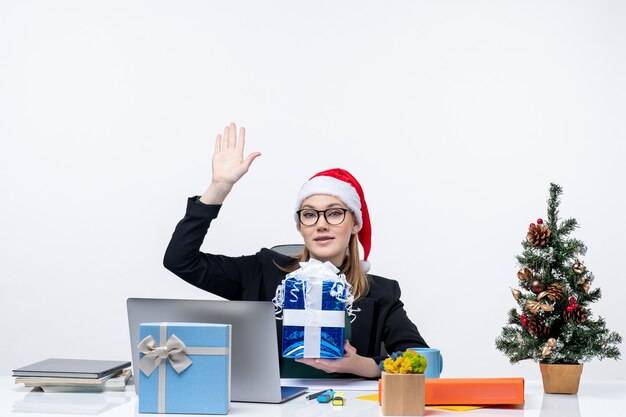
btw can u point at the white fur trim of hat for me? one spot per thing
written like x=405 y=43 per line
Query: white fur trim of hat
x=333 y=187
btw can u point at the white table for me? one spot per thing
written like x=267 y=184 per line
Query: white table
x=594 y=399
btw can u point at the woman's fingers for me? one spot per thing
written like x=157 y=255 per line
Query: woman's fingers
x=251 y=158
x=241 y=142
x=225 y=137
x=232 y=138
x=218 y=143
x=229 y=138
x=349 y=349
x=321 y=364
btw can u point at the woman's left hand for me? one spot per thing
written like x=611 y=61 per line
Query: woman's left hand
x=351 y=363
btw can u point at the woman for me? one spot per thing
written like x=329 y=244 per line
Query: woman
x=332 y=217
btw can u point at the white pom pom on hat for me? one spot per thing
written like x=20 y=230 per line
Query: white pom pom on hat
x=340 y=183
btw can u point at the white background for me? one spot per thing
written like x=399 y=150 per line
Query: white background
x=455 y=116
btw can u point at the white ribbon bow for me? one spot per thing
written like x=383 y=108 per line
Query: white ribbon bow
x=317 y=271
x=174 y=350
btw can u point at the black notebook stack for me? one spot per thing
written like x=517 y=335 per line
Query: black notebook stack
x=74 y=375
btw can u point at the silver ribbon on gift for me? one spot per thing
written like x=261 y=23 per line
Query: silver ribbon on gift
x=174 y=350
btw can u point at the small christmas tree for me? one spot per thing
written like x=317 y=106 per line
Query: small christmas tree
x=554 y=322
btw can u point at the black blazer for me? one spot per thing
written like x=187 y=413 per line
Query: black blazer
x=381 y=318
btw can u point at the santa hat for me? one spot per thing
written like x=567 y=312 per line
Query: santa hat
x=340 y=183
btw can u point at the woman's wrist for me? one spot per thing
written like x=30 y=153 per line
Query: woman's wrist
x=216 y=193
x=367 y=368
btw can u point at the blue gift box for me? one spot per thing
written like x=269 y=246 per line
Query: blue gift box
x=313 y=319
x=184 y=368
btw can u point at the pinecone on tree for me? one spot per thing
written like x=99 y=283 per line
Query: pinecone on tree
x=538 y=235
x=537 y=328
x=579 y=315
x=554 y=292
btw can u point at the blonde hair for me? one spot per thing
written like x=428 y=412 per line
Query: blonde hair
x=353 y=270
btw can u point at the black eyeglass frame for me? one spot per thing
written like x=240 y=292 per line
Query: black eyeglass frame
x=344 y=210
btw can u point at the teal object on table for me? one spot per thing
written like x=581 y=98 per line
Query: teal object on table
x=192 y=378
x=434 y=361
x=326 y=397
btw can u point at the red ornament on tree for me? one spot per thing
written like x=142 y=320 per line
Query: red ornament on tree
x=532 y=225
x=539 y=221
x=572 y=300
x=524 y=320
x=571 y=308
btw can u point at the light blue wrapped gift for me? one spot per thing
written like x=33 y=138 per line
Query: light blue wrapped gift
x=314 y=300
x=184 y=368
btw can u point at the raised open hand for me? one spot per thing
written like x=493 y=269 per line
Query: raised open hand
x=228 y=164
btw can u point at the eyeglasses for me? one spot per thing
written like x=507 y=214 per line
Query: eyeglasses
x=333 y=216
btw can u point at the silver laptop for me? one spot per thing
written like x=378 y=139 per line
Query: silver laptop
x=255 y=374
